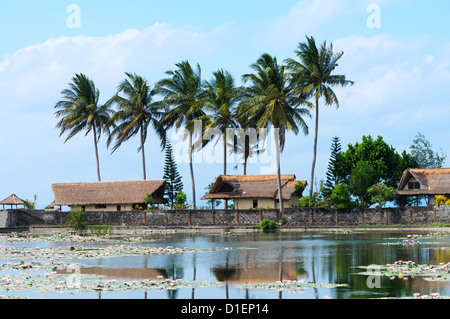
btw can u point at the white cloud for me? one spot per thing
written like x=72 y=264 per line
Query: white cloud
x=31 y=81
x=304 y=18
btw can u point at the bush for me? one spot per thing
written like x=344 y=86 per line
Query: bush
x=267 y=224
x=181 y=201
x=77 y=218
x=440 y=200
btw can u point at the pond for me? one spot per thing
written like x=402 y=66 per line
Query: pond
x=240 y=265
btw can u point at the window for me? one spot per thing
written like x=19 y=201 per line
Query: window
x=255 y=203
x=413 y=185
x=100 y=206
x=119 y=208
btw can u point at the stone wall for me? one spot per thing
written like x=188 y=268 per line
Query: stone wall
x=295 y=217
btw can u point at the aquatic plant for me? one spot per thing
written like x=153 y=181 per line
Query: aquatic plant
x=288 y=285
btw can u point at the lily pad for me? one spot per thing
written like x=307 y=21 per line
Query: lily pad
x=288 y=285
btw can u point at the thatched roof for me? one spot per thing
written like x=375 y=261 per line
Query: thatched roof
x=252 y=186
x=126 y=192
x=432 y=181
x=12 y=200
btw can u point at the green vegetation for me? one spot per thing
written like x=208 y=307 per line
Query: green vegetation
x=181 y=201
x=77 y=218
x=271 y=101
x=30 y=204
x=268 y=224
x=422 y=152
x=313 y=78
x=80 y=110
x=174 y=185
x=368 y=173
x=136 y=113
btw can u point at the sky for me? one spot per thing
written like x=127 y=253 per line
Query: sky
x=396 y=51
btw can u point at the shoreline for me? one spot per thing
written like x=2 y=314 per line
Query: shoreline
x=231 y=230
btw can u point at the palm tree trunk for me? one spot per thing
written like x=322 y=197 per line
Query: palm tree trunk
x=96 y=153
x=225 y=163
x=143 y=153
x=192 y=171
x=276 y=133
x=245 y=166
x=316 y=133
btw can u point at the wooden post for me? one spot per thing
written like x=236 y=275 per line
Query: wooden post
x=260 y=215
x=362 y=217
x=212 y=219
x=237 y=216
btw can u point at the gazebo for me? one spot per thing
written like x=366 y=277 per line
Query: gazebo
x=12 y=200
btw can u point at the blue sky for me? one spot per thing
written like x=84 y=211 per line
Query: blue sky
x=401 y=72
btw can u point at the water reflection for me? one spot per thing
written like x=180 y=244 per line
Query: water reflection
x=312 y=257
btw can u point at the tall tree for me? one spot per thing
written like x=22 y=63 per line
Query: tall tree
x=384 y=159
x=333 y=166
x=422 y=152
x=174 y=185
x=313 y=77
x=80 y=110
x=182 y=90
x=270 y=101
x=220 y=98
x=136 y=113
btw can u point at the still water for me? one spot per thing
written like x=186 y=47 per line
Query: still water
x=317 y=257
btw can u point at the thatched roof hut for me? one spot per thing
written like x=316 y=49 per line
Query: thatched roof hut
x=428 y=182
x=253 y=187
x=12 y=200
x=108 y=193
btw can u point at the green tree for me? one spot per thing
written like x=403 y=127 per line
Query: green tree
x=384 y=159
x=313 y=77
x=80 y=110
x=174 y=185
x=333 y=167
x=422 y=152
x=136 y=113
x=381 y=194
x=362 y=177
x=243 y=145
x=220 y=98
x=270 y=101
x=182 y=91
x=340 y=196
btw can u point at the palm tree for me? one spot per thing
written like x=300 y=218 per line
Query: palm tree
x=136 y=112
x=271 y=101
x=79 y=110
x=182 y=90
x=221 y=95
x=312 y=77
x=244 y=144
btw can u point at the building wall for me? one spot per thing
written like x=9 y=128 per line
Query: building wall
x=107 y=208
x=294 y=217
x=247 y=203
